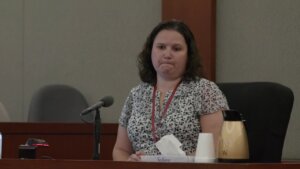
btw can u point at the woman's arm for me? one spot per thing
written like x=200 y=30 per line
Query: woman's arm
x=212 y=123
x=122 y=149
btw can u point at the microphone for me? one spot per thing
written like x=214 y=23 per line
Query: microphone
x=104 y=102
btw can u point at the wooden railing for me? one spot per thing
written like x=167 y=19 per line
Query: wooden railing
x=100 y=164
x=66 y=140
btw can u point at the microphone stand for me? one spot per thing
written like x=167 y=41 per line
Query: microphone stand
x=97 y=125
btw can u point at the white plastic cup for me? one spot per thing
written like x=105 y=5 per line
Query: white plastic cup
x=205 y=152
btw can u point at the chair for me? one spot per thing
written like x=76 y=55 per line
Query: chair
x=266 y=107
x=57 y=103
x=4 y=117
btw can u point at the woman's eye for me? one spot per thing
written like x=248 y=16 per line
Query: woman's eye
x=177 y=48
x=161 y=47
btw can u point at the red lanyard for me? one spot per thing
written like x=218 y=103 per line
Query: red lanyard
x=153 y=129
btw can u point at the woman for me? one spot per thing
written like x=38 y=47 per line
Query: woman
x=173 y=97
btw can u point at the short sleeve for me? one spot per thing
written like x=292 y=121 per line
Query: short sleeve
x=212 y=98
x=126 y=111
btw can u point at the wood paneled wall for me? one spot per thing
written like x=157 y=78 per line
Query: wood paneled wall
x=200 y=16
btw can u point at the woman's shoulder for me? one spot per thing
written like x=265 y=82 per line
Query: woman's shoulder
x=202 y=83
x=140 y=87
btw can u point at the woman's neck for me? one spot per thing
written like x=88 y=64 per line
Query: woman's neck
x=167 y=85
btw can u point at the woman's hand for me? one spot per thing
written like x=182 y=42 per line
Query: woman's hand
x=136 y=156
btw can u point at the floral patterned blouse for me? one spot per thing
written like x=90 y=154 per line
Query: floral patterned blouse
x=191 y=100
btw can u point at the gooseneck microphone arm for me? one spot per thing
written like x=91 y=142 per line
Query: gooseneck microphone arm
x=104 y=102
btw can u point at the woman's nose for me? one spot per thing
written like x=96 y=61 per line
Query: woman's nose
x=167 y=53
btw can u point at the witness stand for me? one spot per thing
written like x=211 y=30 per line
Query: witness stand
x=66 y=140
x=100 y=164
x=71 y=146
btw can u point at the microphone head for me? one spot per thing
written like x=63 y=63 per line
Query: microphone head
x=107 y=101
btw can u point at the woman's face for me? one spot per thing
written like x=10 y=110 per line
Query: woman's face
x=169 y=54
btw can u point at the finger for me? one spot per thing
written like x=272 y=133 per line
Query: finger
x=139 y=153
x=134 y=157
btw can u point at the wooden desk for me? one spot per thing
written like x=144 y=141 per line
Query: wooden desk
x=66 y=140
x=89 y=164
